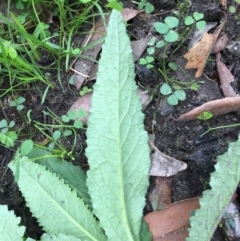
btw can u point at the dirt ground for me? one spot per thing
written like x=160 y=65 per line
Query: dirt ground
x=181 y=140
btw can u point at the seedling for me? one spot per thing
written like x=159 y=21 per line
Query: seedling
x=175 y=96
x=154 y=44
x=85 y=90
x=166 y=29
x=189 y=20
x=7 y=137
x=147 y=61
x=18 y=103
x=206 y=115
x=72 y=115
x=148 y=7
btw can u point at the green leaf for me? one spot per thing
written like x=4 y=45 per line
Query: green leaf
x=232 y=9
x=171 y=36
x=20 y=100
x=26 y=147
x=65 y=118
x=201 y=24
x=9 y=225
x=56 y=135
x=73 y=175
x=197 y=16
x=161 y=28
x=180 y=94
x=54 y=204
x=59 y=237
x=114 y=5
x=11 y=124
x=12 y=52
x=165 y=89
x=188 y=20
x=116 y=140
x=20 y=107
x=150 y=50
x=3 y=123
x=152 y=41
x=173 y=66
x=149 y=59
x=172 y=99
x=205 y=115
x=149 y=8
x=143 y=61
x=67 y=133
x=78 y=124
x=171 y=22
x=223 y=184
x=71 y=114
x=81 y=113
x=160 y=44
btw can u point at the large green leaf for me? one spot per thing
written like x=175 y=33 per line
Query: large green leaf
x=213 y=203
x=9 y=225
x=73 y=175
x=56 y=207
x=118 y=151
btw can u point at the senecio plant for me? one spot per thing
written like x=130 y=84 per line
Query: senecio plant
x=107 y=203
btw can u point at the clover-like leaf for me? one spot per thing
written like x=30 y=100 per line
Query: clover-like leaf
x=180 y=94
x=161 y=28
x=171 y=22
x=188 y=20
x=171 y=36
x=165 y=89
x=197 y=16
x=201 y=24
x=172 y=100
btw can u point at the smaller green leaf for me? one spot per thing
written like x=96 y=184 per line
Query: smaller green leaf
x=171 y=22
x=11 y=124
x=197 y=16
x=20 y=100
x=171 y=36
x=3 y=123
x=12 y=103
x=188 y=20
x=205 y=115
x=150 y=50
x=180 y=94
x=165 y=89
x=149 y=59
x=12 y=52
x=152 y=41
x=143 y=61
x=141 y=5
x=71 y=80
x=201 y=24
x=78 y=124
x=173 y=66
x=160 y=44
x=67 y=133
x=114 y=5
x=12 y=135
x=51 y=146
x=81 y=113
x=149 y=66
x=71 y=115
x=161 y=28
x=26 y=147
x=65 y=118
x=149 y=8
x=20 y=107
x=76 y=51
x=232 y=9
x=173 y=100
x=56 y=135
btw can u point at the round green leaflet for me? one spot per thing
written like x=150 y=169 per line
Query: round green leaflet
x=200 y=25
x=173 y=100
x=188 y=20
x=165 y=89
x=173 y=66
x=161 y=28
x=171 y=36
x=171 y=22
x=197 y=16
x=160 y=44
x=149 y=7
x=180 y=94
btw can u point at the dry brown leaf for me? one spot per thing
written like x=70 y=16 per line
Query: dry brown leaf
x=84 y=102
x=220 y=44
x=225 y=77
x=161 y=195
x=163 y=165
x=197 y=56
x=129 y=13
x=216 y=107
x=172 y=218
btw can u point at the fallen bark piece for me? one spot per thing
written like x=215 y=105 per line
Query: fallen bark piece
x=198 y=55
x=220 y=44
x=216 y=107
x=173 y=218
x=84 y=102
x=225 y=77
